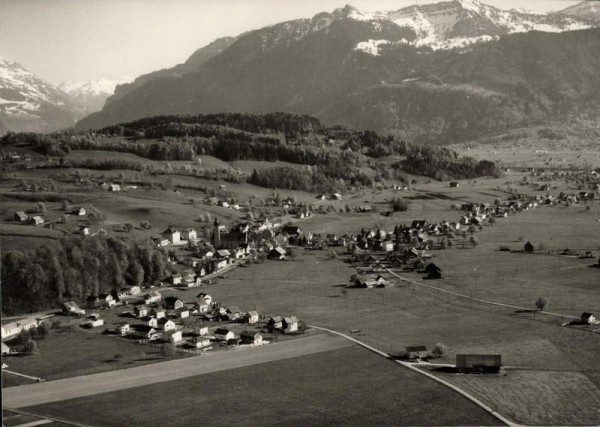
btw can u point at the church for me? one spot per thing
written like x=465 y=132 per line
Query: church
x=237 y=236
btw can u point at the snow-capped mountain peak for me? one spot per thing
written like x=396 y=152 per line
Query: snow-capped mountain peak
x=29 y=103
x=96 y=86
x=93 y=93
x=459 y=23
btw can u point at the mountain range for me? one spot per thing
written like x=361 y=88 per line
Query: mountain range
x=443 y=72
x=30 y=104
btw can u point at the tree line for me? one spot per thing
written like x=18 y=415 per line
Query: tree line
x=74 y=268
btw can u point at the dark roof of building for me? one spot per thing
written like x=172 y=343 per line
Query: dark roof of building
x=251 y=334
x=416 y=348
x=222 y=331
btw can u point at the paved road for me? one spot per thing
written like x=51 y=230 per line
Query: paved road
x=88 y=385
x=427 y=374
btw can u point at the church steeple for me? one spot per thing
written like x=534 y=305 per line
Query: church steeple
x=216 y=234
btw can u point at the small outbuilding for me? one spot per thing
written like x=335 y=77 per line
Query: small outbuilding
x=588 y=318
x=416 y=352
x=478 y=363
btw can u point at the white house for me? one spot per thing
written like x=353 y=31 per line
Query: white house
x=123 y=328
x=253 y=337
x=140 y=310
x=252 y=317
x=203 y=307
x=37 y=220
x=159 y=313
x=223 y=334
x=588 y=318
x=173 y=235
x=202 y=331
x=15 y=328
x=166 y=324
x=175 y=336
x=152 y=297
x=289 y=324
x=189 y=234
x=199 y=342
x=95 y=323
x=205 y=297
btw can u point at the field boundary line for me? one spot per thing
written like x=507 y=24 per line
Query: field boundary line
x=427 y=374
x=500 y=304
x=48 y=417
x=29 y=377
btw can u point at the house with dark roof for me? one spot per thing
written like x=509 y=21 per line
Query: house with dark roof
x=123 y=328
x=289 y=324
x=166 y=324
x=433 y=271
x=140 y=310
x=251 y=337
x=277 y=253
x=275 y=322
x=588 y=318
x=173 y=303
x=172 y=234
x=251 y=317
x=223 y=334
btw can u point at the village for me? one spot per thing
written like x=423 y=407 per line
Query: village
x=154 y=314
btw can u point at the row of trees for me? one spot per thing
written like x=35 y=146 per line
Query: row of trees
x=291 y=125
x=443 y=163
x=74 y=268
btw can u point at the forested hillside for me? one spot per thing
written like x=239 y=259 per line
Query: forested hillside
x=335 y=156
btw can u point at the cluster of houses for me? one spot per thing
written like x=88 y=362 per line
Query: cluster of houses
x=159 y=320
x=22 y=217
x=110 y=186
x=333 y=196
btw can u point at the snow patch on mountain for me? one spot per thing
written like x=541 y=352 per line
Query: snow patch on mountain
x=97 y=86
x=458 y=24
x=22 y=93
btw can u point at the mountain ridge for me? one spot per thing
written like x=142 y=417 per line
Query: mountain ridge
x=28 y=103
x=310 y=66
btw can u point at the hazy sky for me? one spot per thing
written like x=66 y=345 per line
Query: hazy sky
x=80 y=39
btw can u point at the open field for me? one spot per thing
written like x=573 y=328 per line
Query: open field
x=69 y=353
x=349 y=386
x=551 y=367
x=537 y=397
x=69 y=388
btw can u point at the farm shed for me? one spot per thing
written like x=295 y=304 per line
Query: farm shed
x=478 y=363
x=588 y=318
x=413 y=352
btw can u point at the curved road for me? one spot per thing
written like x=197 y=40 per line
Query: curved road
x=427 y=374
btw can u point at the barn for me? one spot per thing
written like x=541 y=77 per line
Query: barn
x=478 y=363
